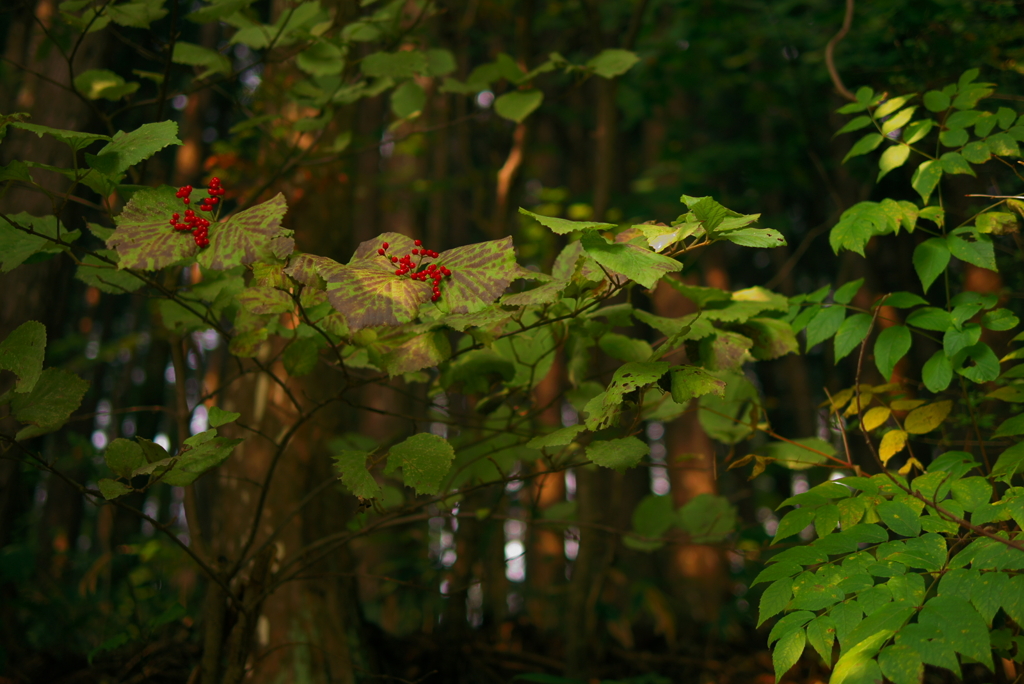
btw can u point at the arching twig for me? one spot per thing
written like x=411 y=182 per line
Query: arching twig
x=830 y=50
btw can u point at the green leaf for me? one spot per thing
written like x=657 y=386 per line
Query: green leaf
x=106 y=277
x=123 y=456
x=440 y=62
x=971 y=492
x=897 y=121
x=891 y=105
x=964 y=629
x=652 y=517
x=855 y=124
x=708 y=519
x=351 y=467
x=211 y=61
x=138 y=14
x=424 y=459
x=1003 y=145
x=143 y=238
x=301 y=356
x=75 y=139
x=1010 y=427
x=793 y=522
x=772 y=338
x=927 y=552
x=218 y=416
x=419 y=351
x=755 y=237
x=937 y=372
x=560 y=437
x=111 y=489
x=930 y=318
x=892 y=344
x=23 y=352
x=901 y=664
x=954 y=137
x=788 y=651
x=408 y=99
x=777 y=571
x=821 y=634
x=102 y=83
x=217 y=10
x=799 y=454
x=727 y=418
x=619 y=454
x=824 y=325
x=612 y=62
x=846 y=293
x=564 y=226
x=976 y=152
x=937 y=101
x=323 y=58
x=54 y=397
x=401 y=64
x=954 y=341
x=930 y=259
x=954 y=163
x=689 y=382
x=860 y=223
x=826 y=520
x=984 y=364
x=900 y=518
x=866 y=144
x=925 y=178
x=774 y=599
x=978 y=251
x=251 y=235
x=636 y=263
x=851 y=333
x=917 y=130
x=518 y=104
x=17 y=245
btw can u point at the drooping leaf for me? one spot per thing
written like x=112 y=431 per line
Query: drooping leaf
x=788 y=651
x=618 y=454
x=612 y=62
x=22 y=353
x=518 y=104
x=218 y=416
x=851 y=333
x=54 y=397
x=123 y=456
x=925 y=178
x=351 y=467
x=978 y=250
x=965 y=630
x=892 y=344
x=210 y=61
x=563 y=226
x=17 y=245
x=103 y=83
x=111 y=489
x=930 y=259
x=824 y=325
x=248 y=236
x=127 y=149
x=640 y=265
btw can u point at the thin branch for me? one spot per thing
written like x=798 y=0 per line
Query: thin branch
x=830 y=62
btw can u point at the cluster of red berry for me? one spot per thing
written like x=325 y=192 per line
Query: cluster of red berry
x=433 y=272
x=197 y=225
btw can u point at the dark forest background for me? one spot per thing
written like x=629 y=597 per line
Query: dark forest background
x=730 y=98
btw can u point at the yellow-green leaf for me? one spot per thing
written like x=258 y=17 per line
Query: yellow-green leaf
x=876 y=417
x=927 y=418
x=892 y=444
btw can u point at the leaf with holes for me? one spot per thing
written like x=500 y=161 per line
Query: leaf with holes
x=252 y=235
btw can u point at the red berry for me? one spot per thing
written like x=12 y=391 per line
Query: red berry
x=417 y=242
x=385 y=245
x=394 y=259
x=380 y=251
x=415 y=251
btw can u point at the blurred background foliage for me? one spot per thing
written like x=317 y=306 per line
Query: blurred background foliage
x=730 y=98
